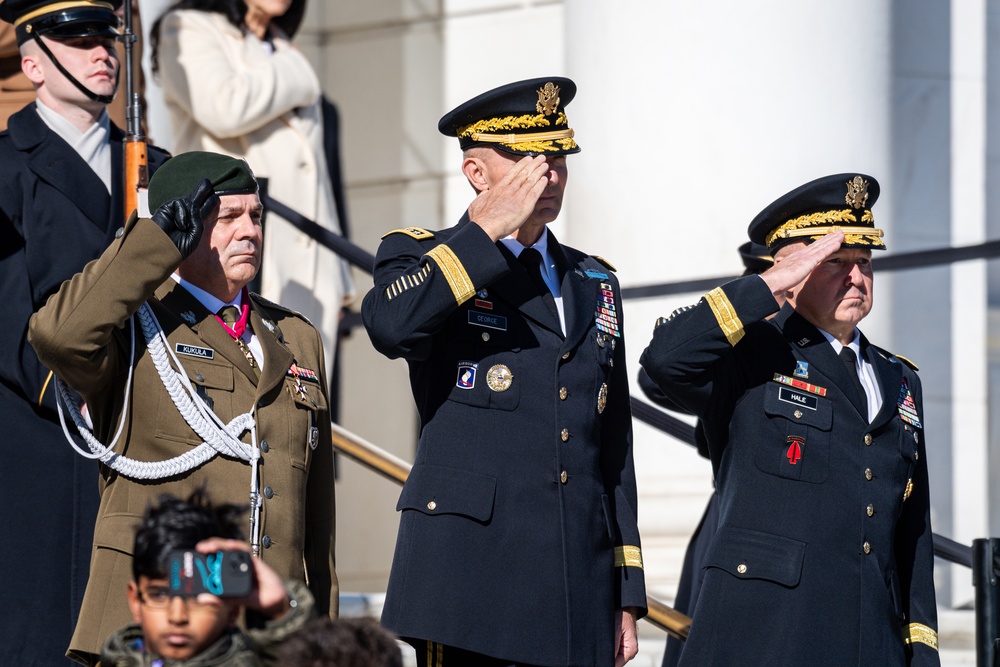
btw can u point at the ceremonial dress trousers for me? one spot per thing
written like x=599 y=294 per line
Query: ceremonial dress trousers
x=518 y=535
x=83 y=334
x=823 y=554
x=55 y=216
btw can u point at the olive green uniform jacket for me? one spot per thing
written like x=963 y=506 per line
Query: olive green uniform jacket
x=83 y=334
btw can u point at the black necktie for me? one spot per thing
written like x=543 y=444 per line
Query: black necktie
x=851 y=363
x=531 y=260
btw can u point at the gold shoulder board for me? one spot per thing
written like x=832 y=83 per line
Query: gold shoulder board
x=907 y=362
x=605 y=262
x=413 y=232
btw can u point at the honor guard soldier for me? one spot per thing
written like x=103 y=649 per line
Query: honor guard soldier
x=191 y=381
x=517 y=541
x=823 y=554
x=61 y=204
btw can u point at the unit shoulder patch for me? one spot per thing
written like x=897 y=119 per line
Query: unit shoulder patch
x=605 y=263
x=418 y=233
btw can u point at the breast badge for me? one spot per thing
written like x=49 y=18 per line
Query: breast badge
x=602 y=398
x=499 y=378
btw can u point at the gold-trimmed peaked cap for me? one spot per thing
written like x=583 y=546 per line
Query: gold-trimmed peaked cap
x=840 y=202
x=65 y=19
x=524 y=118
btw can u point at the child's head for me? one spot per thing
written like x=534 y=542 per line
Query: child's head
x=174 y=627
x=345 y=642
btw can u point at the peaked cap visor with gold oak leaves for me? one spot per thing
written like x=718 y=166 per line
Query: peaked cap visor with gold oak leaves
x=523 y=118
x=841 y=202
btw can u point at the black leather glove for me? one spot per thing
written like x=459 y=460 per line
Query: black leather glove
x=182 y=219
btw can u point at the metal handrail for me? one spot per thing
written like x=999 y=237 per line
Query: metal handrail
x=395 y=469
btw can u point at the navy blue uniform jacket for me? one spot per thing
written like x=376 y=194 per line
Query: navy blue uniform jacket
x=518 y=534
x=823 y=554
x=55 y=216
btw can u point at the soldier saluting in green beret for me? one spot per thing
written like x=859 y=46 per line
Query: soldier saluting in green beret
x=193 y=381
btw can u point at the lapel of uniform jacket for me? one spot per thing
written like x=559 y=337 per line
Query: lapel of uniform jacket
x=517 y=289
x=56 y=163
x=277 y=357
x=183 y=304
x=819 y=353
x=579 y=293
x=116 y=208
x=890 y=380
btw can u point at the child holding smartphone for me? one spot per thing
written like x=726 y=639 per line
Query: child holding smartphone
x=201 y=630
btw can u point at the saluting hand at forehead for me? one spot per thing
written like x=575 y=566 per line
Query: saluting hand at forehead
x=794 y=265
x=503 y=205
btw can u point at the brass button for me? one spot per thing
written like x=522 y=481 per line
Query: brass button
x=871 y=510
x=486 y=335
x=565 y=356
x=867 y=547
x=199 y=377
x=611 y=362
x=742 y=568
x=797 y=414
x=564 y=435
x=868 y=438
x=264 y=446
x=563 y=393
x=868 y=474
x=563 y=477
x=432 y=505
x=916 y=437
x=266 y=541
x=268 y=492
x=916 y=455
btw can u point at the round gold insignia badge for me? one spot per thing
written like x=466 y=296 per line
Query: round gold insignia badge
x=602 y=398
x=499 y=378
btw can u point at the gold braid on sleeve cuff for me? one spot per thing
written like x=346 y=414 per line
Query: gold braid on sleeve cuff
x=918 y=633
x=453 y=271
x=725 y=315
x=628 y=556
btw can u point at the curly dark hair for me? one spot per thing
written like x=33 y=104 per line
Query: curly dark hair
x=180 y=524
x=345 y=642
x=235 y=12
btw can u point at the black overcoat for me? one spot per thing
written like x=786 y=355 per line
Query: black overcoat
x=55 y=216
x=518 y=534
x=823 y=554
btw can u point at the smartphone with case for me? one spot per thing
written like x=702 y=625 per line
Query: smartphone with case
x=227 y=574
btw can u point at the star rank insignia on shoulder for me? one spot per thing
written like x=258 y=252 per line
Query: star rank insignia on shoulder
x=418 y=233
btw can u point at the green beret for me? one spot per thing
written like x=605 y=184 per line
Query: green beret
x=181 y=174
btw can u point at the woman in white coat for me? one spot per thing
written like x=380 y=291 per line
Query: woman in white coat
x=234 y=84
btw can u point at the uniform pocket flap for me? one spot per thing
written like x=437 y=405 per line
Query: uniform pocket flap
x=117 y=531
x=212 y=376
x=439 y=490
x=798 y=405
x=749 y=554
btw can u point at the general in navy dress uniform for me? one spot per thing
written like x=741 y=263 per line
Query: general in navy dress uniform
x=223 y=389
x=517 y=541
x=61 y=203
x=823 y=554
